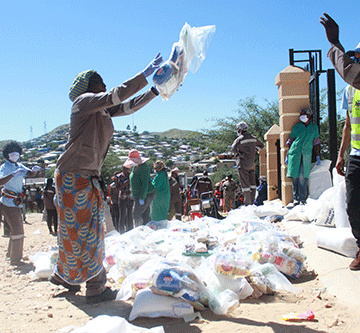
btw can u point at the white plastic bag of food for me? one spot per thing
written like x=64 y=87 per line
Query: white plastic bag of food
x=44 y=263
x=187 y=54
x=114 y=324
x=341 y=217
x=148 y=304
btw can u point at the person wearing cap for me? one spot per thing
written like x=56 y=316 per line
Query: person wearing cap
x=203 y=184
x=159 y=208
x=304 y=138
x=229 y=187
x=12 y=174
x=244 y=148
x=141 y=187
x=175 y=206
x=348 y=67
x=261 y=191
x=79 y=188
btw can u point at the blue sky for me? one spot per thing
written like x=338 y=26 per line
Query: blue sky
x=45 y=44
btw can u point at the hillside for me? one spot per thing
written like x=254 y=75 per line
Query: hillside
x=61 y=131
x=175 y=133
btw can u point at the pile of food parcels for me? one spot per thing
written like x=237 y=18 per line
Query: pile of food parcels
x=198 y=264
x=206 y=262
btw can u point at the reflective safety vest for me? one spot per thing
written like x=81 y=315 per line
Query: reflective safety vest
x=355 y=120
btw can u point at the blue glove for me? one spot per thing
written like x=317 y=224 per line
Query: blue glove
x=20 y=171
x=318 y=162
x=155 y=64
x=35 y=168
x=286 y=159
x=141 y=202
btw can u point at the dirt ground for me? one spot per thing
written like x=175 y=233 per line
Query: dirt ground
x=29 y=305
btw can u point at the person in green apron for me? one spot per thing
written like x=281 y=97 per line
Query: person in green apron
x=303 y=139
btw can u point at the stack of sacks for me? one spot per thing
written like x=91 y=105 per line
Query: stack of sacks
x=220 y=254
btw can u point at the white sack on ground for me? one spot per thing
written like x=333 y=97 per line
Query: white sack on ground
x=298 y=213
x=44 y=263
x=114 y=324
x=321 y=211
x=271 y=208
x=148 y=304
x=339 y=240
x=341 y=217
x=319 y=179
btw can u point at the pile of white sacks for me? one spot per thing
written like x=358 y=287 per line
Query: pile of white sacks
x=174 y=268
x=326 y=208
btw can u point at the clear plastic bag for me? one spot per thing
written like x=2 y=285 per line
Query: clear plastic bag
x=187 y=54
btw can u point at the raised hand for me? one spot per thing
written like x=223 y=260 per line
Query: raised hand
x=331 y=28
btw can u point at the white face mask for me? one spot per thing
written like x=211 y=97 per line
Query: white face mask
x=304 y=118
x=13 y=157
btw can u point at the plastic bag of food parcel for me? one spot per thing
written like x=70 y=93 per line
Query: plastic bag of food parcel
x=187 y=54
x=44 y=263
x=178 y=281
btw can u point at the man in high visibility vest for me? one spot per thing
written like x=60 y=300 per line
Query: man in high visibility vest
x=349 y=70
x=351 y=134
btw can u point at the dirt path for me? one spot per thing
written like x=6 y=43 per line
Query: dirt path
x=29 y=305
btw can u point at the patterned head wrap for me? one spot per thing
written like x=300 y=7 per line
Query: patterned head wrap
x=159 y=165
x=80 y=84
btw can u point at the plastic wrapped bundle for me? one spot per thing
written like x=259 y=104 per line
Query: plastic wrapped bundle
x=187 y=54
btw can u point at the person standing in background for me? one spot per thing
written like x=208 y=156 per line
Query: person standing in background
x=244 y=148
x=159 y=207
x=51 y=213
x=12 y=174
x=304 y=138
x=175 y=207
x=126 y=201
x=229 y=187
x=113 y=200
x=142 y=189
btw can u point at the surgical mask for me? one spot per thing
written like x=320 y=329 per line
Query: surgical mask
x=304 y=118
x=13 y=157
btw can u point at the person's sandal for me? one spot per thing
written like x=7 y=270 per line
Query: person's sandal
x=106 y=296
x=71 y=287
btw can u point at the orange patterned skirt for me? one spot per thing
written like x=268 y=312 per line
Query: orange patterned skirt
x=81 y=228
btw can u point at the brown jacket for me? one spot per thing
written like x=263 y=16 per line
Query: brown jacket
x=91 y=127
x=344 y=65
x=244 y=148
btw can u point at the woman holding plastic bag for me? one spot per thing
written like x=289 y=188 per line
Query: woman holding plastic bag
x=78 y=184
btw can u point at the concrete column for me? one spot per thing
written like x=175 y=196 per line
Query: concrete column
x=263 y=163
x=293 y=89
x=271 y=136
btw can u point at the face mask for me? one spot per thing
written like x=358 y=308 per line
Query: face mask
x=304 y=118
x=13 y=157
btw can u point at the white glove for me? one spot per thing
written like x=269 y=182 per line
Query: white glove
x=141 y=202
x=20 y=171
x=35 y=168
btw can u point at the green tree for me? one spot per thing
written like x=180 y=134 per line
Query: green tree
x=258 y=118
x=324 y=124
x=169 y=163
x=111 y=164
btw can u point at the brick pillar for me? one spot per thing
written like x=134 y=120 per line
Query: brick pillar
x=271 y=136
x=293 y=89
x=262 y=162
